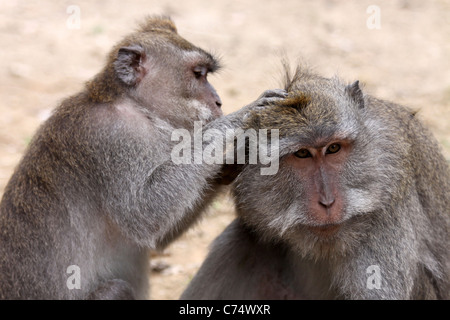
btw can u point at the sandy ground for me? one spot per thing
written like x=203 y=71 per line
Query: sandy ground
x=43 y=59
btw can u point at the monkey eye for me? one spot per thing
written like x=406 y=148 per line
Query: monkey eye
x=200 y=72
x=302 y=153
x=333 y=148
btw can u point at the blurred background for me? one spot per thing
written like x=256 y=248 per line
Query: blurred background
x=400 y=51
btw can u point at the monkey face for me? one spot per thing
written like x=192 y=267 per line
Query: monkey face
x=205 y=100
x=305 y=204
x=335 y=175
x=168 y=75
x=318 y=168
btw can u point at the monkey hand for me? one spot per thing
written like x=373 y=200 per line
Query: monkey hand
x=266 y=99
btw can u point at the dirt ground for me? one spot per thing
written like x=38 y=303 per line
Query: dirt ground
x=44 y=57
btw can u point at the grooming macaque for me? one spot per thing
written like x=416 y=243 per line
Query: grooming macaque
x=97 y=189
x=359 y=208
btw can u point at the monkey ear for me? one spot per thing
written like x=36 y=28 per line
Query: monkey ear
x=129 y=64
x=355 y=93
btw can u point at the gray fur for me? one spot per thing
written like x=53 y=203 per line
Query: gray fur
x=396 y=185
x=97 y=187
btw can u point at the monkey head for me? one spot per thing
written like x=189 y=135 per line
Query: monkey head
x=162 y=72
x=333 y=169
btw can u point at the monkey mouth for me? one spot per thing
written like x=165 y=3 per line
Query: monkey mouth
x=326 y=230
x=216 y=112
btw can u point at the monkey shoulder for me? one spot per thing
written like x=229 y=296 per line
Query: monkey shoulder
x=389 y=112
x=243 y=267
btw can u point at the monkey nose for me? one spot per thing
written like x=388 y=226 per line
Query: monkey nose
x=327 y=202
x=219 y=103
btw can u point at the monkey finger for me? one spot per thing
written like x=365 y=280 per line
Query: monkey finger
x=275 y=93
x=264 y=102
x=258 y=106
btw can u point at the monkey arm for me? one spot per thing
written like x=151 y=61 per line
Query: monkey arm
x=152 y=198
x=238 y=118
x=154 y=205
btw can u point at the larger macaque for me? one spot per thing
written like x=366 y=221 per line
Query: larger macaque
x=359 y=208
x=97 y=187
